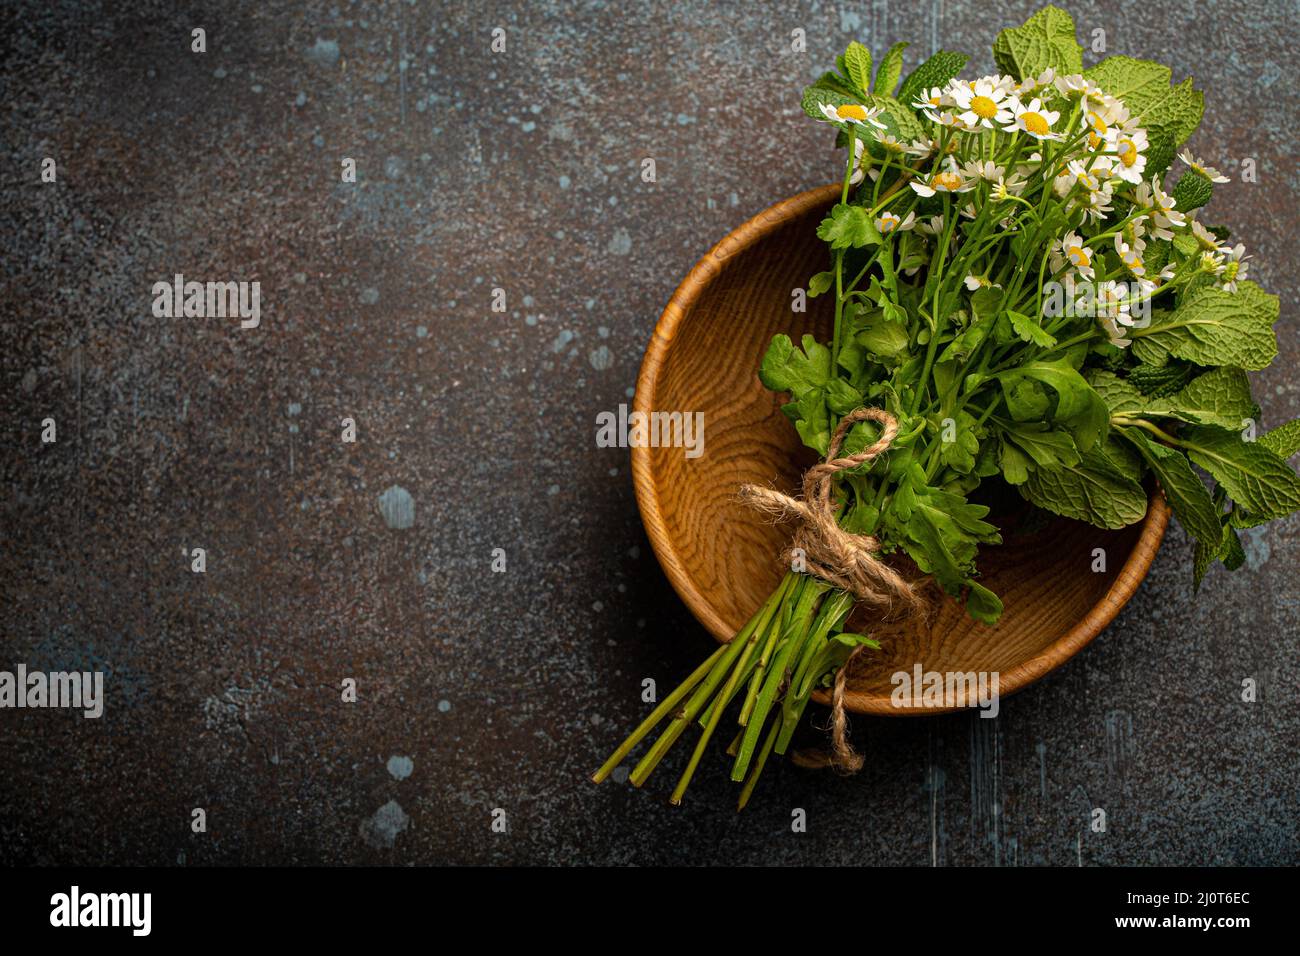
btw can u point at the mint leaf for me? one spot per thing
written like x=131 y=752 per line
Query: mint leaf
x=1192 y=191
x=936 y=71
x=1161 y=380
x=847 y=227
x=1046 y=39
x=1214 y=327
x=1184 y=491
x=1253 y=476
x=857 y=65
x=1144 y=87
x=1283 y=441
x=890 y=69
x=1094 y=490
x=1219 y=397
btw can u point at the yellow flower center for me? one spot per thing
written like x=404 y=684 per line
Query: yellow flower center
x=1035 y=123
x=888 y=223
x=984 y=107
x=1128 y=152
x=851 y=111
x=948 y=181
x=1079 y=256
x=1097 y=123
x=1230 y=270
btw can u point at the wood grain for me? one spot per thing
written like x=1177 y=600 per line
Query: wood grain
x=722 y=557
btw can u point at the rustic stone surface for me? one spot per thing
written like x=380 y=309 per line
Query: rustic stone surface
x=516 y=171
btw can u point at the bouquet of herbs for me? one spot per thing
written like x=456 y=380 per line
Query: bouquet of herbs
x=1026 y=293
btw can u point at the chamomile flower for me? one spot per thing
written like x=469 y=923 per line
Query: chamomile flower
x=932 y=99
x=987 y=170
x=931 y=227
x=1114 y=331
x=1130 y=155
x=888 y=222
x=1234 y=268
x=1070 y=253
x=982 y=103
x=1160 y=207
x=1131 y=257
x=1211 y=262
x=974 y=282
x=1032 y=84
x=1110 y=300
x=896 y=147
x=861 y=163
x=854 y=113
x=1094 y=121
x=1207 y=240
x=950 y=120
x=1133 y=232
x=1033 y=119
x=943 y=181
x=1076 y=83
x=1209 y=172
x=1005 y=188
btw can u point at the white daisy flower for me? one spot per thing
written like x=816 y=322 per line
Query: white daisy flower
x=861 y=163
x=1031 y=84
x=1234 y=268
x=1070 y=252
x=987 y=170
x=854 y=113
x=974 y=282
x=982 y=103
x=931 y=227
x=1005 y=188
x=1131 y=257
x=931 y=99
x=1033 y=119
x=892 y=144
x=950 y=120
x=944 y=181
x=1212 y=262
x=1209 y=172
x=888 y=222
x=1161 y=209
x=1130 y=151
x=1114 y=331
x=1076 y=83
x=1207 y=240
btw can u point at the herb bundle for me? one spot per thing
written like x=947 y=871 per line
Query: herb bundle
x=1020 y=293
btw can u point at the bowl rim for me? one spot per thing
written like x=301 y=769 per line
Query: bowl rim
x=711 y=266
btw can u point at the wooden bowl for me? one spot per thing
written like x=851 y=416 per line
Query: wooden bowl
x=722 y=557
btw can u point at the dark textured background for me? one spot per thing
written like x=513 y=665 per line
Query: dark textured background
x=517 y=170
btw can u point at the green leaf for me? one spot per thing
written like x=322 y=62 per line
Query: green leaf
x=1184 y=491
x=1046 y=39
x=1046 y=447
x=882 y=338
x=1078 y=405
x=1094 y=490
x=982 y=604
x=1219 y=397
x=1014 y=462
x=1283 y=441
x=936 y=71
x=820 y=283
x=959 y=454
x=1253 y=476
x=1029 y=331
x=857 y=65
x=787 y=369
x=1144 y=87
x=848 y=227
x=1160 y=380
x=1192 y=191
x=890 y=69
x=1120 y=396
x=1214 y=327
x=1231 y=553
